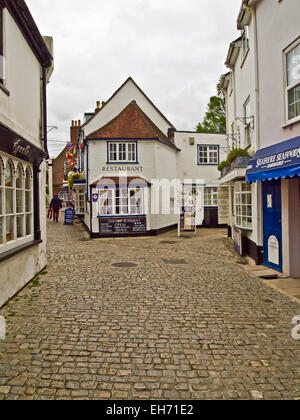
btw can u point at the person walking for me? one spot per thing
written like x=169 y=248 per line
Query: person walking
x=55 y=205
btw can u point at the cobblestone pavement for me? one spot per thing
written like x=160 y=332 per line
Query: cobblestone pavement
x=187 y=322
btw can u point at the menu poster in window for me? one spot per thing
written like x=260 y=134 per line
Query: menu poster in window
x=223 y=205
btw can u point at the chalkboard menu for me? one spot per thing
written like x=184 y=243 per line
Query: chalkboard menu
x=123 y=225
x=69 y=216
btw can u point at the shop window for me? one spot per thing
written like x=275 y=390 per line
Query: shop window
x=208 y=155
x=16 y=204
x=9 y=201
x=28 y=201
x=122 y=152
x=106 y=202
x=293 y=81
x=20 y=198
x=243 y=205
x=121 y=201
x=211 y=197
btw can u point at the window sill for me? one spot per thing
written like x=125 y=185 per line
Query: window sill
x=15 y=251
x=3 y=88
x=291 y=123
x=244 y=229
x=122 y=163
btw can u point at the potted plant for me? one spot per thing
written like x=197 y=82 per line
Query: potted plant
x=238 y=158
x=224 y=167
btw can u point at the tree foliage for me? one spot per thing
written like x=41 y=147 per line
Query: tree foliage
x=215 y=117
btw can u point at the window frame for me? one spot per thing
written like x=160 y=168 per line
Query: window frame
x=247 y=123
x=213 y=195
x=118 y=146
x=242 y=193
x=121 y=203
x=288 y=88
x=245 y=40
x=80 y=204
x=25 y=168
x=208 y=152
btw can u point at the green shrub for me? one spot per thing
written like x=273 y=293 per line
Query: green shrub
x=223 y=165
x=236 y=153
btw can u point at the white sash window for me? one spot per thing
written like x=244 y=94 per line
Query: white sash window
x=121 y=152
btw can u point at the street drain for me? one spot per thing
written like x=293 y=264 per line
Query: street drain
x=268 y=300
x=174 y=262
x=124 y=265
x=168 y=242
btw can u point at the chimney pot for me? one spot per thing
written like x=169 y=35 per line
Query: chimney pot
x=98 y=104
x=79 y=123
x=72 y=123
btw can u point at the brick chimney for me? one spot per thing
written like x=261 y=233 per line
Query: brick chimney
x=74 y=131
x=98 y=107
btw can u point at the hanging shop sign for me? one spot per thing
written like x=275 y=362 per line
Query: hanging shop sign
x=16 y=146
x=122 y=225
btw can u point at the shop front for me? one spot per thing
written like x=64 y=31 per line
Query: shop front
x=22 y=210
x=277 y=169
x=120 y=206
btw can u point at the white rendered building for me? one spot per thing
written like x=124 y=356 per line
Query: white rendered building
x=25 y=70
x=134 y=163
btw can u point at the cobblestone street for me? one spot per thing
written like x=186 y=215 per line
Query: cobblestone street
x=186 y=322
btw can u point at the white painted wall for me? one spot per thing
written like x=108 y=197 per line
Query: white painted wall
x=278 y=28
x=21 y=110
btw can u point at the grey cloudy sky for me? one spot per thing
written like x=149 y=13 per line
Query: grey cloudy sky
x=175 y=51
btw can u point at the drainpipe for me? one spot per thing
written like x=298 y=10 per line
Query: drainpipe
x=253 y=11
x=45 y=110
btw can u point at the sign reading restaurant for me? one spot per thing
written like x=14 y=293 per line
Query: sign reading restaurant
x=122 y=169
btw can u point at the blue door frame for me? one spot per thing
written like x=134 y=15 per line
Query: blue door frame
x=272 y=214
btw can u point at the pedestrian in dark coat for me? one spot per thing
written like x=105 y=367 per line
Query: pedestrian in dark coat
x=55 y=205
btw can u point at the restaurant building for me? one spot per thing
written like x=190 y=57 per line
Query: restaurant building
x=134 y=165
x=26 y=67
x=262 y=92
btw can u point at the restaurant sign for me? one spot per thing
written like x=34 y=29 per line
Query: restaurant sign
x=122 y=225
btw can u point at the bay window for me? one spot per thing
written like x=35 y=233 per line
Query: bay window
x=243 y=205
x=293 y=81
x=16 y=206
x=122 y=152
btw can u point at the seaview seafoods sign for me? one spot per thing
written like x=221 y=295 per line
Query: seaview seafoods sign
x=279 y=159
